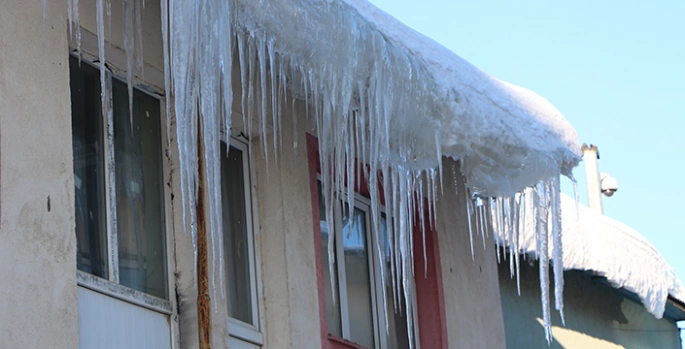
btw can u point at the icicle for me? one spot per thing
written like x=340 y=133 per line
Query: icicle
x=108 y=8
x=275 y=117
x=542 y=211
x=469 y=213
x=251 y=70
x=77 y=24
x=167 y=71
x=500 y=233
x=138 y=26
x=506 y=233
x=45 y=5
x=513 y=232
x=128 y=24
x=240 y=41
x=101 y=56
x=422 y=222
x=480 y=222
x=557 y=258
x=521 y=229
x=70 y=17
x=261 y=56
x=438 y=148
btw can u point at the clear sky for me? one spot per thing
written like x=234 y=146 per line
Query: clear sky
x=615 y=69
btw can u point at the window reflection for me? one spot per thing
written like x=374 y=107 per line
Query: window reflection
x=140 y=210
x=358 y=280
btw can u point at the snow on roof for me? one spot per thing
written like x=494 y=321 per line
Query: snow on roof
x=609 y=248
x=508 y=137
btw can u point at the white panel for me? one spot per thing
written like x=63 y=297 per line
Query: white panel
x=235 y=343
x=108 y=323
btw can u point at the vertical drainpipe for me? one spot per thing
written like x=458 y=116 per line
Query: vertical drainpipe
x=594 y=190
x=203 y=300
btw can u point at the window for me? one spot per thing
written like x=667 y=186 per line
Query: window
x=240 y=274
x=355 y=309
x=119 y=200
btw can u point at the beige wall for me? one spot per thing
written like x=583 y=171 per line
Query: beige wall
x=151 y=32
x=37 y=240
x=597 y=316
x=287 y=245
x=472 y=306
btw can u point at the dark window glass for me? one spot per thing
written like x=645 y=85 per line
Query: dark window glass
x=138 y=188
x=89 y=169
x=140 y=202
x=358 y=278
x=236 y=236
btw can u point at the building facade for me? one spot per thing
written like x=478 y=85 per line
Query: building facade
x=97 y=249
x=93 y=252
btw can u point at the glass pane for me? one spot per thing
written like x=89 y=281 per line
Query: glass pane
x=236 y=236
x=357 y=277
x=89 y=169
x=397 y=318
x=333 y=320
x=140 y=201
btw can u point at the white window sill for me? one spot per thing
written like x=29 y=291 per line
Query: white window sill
x=243 y=331
x=123 y=293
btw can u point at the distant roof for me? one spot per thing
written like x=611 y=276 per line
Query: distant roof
x=609 y=248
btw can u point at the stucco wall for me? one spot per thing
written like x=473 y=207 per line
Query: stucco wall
x=287 y=244
x=151 y=28
x=597 y=316
x=37 y=240
x=471 y=288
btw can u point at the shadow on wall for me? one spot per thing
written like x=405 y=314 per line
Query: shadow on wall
x=597 y=315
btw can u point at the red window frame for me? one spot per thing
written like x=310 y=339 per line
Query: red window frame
x=429 y=291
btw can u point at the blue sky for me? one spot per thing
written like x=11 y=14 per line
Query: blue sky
x=614 y=68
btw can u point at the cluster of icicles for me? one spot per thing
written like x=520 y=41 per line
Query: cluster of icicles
x=357 y=105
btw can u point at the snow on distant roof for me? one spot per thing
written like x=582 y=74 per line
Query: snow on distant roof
x=609 y=248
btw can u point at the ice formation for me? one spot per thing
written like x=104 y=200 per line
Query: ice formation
x=606 y=247
x=381 y=94
x=530 y=218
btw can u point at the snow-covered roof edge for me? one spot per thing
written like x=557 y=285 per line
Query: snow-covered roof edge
x=507 y=137
x=482 y=115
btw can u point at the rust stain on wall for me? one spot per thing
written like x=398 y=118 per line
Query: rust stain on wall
x=203 y=299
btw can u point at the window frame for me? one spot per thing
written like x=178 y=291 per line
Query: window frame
x=429 y=300
x=110 y=286
x=375 y=261
x=237 y=328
